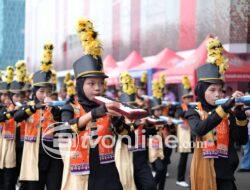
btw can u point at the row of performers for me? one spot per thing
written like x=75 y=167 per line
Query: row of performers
x=27 y=127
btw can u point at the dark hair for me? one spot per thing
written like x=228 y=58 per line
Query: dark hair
x=229 y=88
x=33 y=91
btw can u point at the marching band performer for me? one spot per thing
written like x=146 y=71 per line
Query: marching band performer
x=216 y=128
x=158 y=153
x=92 y=167
x=28 y=87
x=141 y=86
x=17 y=92
x=63 y=91
x=8 y=151
x=184 y=132
x=39 y=169
x=168 y=111
x=123 y=155
x=142 y=173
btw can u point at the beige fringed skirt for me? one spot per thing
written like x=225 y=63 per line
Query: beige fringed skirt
x=70 y=181
x=202 y=172
x=8 y=153
x=29 y=166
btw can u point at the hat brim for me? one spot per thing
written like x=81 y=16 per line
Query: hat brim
x=133 y=103
x=27 y=89
x=42 y=84
x=130 y=102
x=98 y=75
x=214 y=81
x=16 y=91
x=4 y=91
x=157 y=107
x=187 y=96
x=141 y=87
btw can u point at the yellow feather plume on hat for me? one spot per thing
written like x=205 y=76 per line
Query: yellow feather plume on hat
x=83 y=25
x=186 y=82
x=20 y=71
x=162 y=80
x=127 y=83
x=29 y=78
x=214 y=54
x=157 y=89
x=9 y=75
x=53 y=77
x=125 y=77
x=90 y=43
x=70 y=86
x=214 y=44
x=46 y=63
x=87 y=36
x=144 y=77
x=67 y=78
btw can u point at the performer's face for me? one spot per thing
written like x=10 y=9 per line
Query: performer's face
x=158 y=112
x=16 y=98
x=4 y=96
x=27 y=95
x=140 y=92
x=63 y=94
x=93 y=86
x=187 y=100
x=42 y=93
x=5 y=99
x=213 y=93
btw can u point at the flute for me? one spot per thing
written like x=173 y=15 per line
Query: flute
x=164 y=102
x=164 y=120
x=175 y=103
x=243 y=99
x=170 y=103
x=174 y=120
x=58 y=103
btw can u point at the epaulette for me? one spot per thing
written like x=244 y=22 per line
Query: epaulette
x=31 y=103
